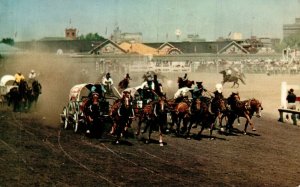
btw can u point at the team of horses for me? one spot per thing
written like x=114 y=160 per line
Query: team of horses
x=24 y=96
x=185 y=114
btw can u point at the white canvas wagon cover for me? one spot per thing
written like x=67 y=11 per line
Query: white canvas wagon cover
x=7 y=80
x=82 y=90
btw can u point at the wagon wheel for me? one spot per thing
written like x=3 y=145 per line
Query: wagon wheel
x=76 y=122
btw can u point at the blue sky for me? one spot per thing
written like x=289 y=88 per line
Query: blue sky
x=156 y=19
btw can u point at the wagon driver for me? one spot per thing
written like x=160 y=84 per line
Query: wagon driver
x=107 y=81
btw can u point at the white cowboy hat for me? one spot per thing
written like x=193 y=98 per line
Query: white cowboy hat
x=219 y=87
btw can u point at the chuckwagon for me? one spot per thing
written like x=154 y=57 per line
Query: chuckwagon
x=79 y=112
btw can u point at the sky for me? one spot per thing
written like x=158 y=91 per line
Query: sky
x=157 y=20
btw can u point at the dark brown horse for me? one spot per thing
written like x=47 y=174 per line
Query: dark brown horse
x=219 y=108
x=186 y=83
x=154 y=115
x=123 y=84
x=19 y=96
x=205 y=114
x=36 y=90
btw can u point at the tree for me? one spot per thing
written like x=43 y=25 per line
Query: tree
x=292 y=40
x=91 y=36
x=8 y=41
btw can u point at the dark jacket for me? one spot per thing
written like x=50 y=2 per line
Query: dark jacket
x=291 y=97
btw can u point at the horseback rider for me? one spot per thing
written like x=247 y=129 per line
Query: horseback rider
x=218 y=93
x=18 y=77
x=185 y=78
x=31 y=77
x=107 y=81
x=228 y=72
x=198 y=90
x=157 y=86
x=147 y=93
x=127 y=76
x=149 y=76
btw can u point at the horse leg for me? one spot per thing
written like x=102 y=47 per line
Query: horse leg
x=174 y=117
x=221 y=118
x=211 y=130
x=160 y=135
x=139 y=127
x=189 y=128
x=113 y=128
x=230 y=121
x=246 y=124
x=239 y=121
x=149 y=124
x=185 y=121
x=118 y=133
x=178 y=125
x=200 y=132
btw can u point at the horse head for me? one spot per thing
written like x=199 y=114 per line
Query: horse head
x=179 y=80
x=219 y=105
x=189 y=83
x=95 y=98
x=256 y=106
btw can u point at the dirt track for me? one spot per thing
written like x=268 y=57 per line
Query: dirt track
x=35 y=151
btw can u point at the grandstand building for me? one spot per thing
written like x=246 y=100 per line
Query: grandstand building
x=290 y=29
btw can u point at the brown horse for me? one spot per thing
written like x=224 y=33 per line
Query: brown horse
x=245 y=109
x=182 y=83
x=123 y=84
x=181 y=113
x=121 y=112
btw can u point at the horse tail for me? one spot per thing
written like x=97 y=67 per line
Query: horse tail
x=242 y=80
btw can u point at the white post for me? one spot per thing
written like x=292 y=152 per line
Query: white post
x=283 y=95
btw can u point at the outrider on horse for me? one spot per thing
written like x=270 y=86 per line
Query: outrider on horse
x=232 y=78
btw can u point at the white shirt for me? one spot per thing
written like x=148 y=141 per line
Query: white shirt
x=228 y=72
x=105 y=81
x=145 y=84
x=32 y=75
x=182 y=92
